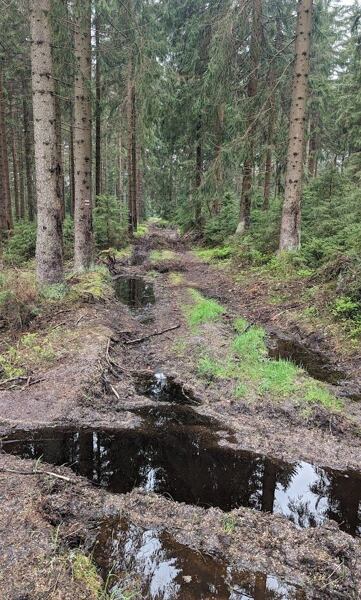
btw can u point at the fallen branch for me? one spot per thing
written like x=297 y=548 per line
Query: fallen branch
x=147 y=337
x=37 y=473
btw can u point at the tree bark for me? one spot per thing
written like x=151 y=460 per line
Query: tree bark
x=132 y=151
x=98 y=159
x=5 y=199
x=313 y=148
x=28 y=156
x=14 y=154
x=199 y=171
x=290 y=238
x=21 y=175
x=83 y=230
x=49 y=250
x=59 y=150
x=246 y=196
x=71 y=169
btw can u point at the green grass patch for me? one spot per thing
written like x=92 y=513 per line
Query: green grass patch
x=202 y=310
x=210 y=255
x=84 y=571
x=318 y=394
x=176 y=279
x=157 y=256
x=142 y=230
x=31 y=352
x=91 y=285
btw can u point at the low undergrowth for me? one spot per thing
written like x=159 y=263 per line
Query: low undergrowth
x=214 y=255
x=33 y=352
x=21 y=300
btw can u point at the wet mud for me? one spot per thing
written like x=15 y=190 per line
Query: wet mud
x=164 y=569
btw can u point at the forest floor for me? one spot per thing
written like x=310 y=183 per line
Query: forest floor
x=171 y=386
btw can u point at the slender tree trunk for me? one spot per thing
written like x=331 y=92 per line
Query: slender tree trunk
x=28 y=156
x=216 y=206
x=290 y=238
x=14 y=154
x=246 y=196
x=5 y=198
x=132 y=151
x=71 y=169
x=120 y=165
x=83 y=253
x=21 y=176
x=199 y=171
x=49 y=251
x=98 y=158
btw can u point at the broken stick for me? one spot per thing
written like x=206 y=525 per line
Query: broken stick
x=147 y=337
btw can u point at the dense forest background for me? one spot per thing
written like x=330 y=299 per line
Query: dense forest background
x=183 y=111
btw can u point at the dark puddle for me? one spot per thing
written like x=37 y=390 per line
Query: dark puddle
x=177 y=453
x=163 y=388
x=311 y=361
x=134 y=292
x=163 y=569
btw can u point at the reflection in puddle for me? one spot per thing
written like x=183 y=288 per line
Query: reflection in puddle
x=134 y=292
x=311 y=361
x=162 y=388
x=163 y=569
x=176 y=453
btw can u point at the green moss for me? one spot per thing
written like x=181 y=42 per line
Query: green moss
x=94 y=284
x=202 y=310
x=55 y=292
x=157 y=256
x=142 y=230
x=176 y=279
x=229 y=524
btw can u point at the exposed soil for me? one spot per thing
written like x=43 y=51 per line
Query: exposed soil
x=107 y=379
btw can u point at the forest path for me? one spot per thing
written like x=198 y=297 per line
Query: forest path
x=223 y=478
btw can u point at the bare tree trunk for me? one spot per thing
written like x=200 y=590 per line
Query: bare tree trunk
x=21 y=176
x=83 y=253
x=216 y=206
x=59 y=150
x=120 y=164
x=5 y=198
x=132 y=151
x=199 y=171
x=313 y=148
x=71 y=169
x=28 y=156
x=98 y=160
x=49 y=250
x=246 y=196
x=14 y=155
x=290 y=238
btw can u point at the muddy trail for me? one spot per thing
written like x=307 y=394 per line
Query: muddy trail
x=132 y=469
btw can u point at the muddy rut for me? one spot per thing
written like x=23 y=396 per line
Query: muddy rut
x=175 y=488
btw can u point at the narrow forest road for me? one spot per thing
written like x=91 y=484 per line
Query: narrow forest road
x=213 y=477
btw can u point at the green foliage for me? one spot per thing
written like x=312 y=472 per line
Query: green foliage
x=110 y=226
x=210 y=255
x=346 y=308
x=94 y=285
x=84 y=571
x=142 y=230
x=21 y=245
x=31 y=351
x=202 y=310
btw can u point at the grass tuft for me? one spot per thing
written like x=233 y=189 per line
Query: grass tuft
x=203 y=310
x=157 y=256
x=211 y=255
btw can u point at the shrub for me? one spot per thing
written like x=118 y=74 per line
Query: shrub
x=110 y=222
x=21 y=245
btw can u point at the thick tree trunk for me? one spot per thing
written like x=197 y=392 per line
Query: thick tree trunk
x=83 y=252
x=28 y=156
x=290 y=238
x=59 y=151
x=246 y=196
x=98 y=160
x=5 y=199
x=49 y=250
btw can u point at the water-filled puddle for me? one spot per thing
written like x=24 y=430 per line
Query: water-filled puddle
x=163 y=388
x=134 y=292
x=152 y=562
x=176 y=453
x=311 y=361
